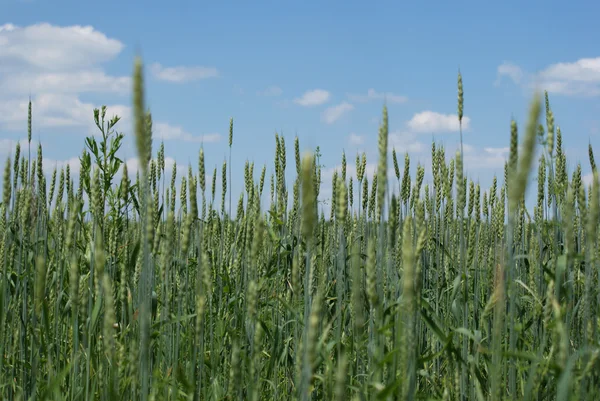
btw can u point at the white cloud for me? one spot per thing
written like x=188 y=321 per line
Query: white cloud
x=467 y=148
x=581 y=77
x=334 y=113
x=512 y=71
x=51 y=110
x=405 y=142
x=60 y=111
x=52 y=48
x=13 y=113
x=55 y=64
x=576 y=78
x=313 y=98
x=486 y=158
x=182 y=74
x=64 y=82
x=168 y=132
x=356 y=139
x=477 y=158
x=49 y=165
x=588 y=179
x=502 y=152
x=584 y=70
x=8 y=146
x=432 y=122
x=271 y=91
x=374 y=95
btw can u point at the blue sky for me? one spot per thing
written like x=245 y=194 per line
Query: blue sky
x=320 y=70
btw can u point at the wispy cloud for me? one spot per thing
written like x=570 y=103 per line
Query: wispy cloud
x=170 y=132
x=270 y=91
x=372 y=95
x=512 y=71
x=314 y=97
x=93 y=80
x=8 y=146
x=334 y=113
x=588 y=179
x=48 y=165
x=486 y=158
x=356 y=139
x=403 y=141
x=181 y=74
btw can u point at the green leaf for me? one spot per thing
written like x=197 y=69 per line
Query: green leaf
x=172 y=320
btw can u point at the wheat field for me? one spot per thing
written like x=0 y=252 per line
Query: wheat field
x=159 y=288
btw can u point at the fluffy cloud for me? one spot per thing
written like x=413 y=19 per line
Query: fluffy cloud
x=168 y=132
x=47 y=47
x=584 y=70
x=576 y=78
x=45 y=58
x=56 y=65
x=374 y=95
x=581 y=77
x=314 y=97
x=432 y=122
x=52 y=110
x=182 y=74
x=334 y=113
